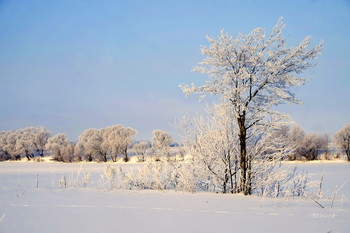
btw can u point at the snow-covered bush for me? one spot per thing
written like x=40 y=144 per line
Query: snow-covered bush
x=109 y=173
x=85 y=180
x=283 y=183
x=156 y=175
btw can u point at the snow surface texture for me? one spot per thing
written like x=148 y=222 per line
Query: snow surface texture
x=34 y=198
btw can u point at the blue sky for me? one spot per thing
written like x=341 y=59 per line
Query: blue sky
x=70 y=65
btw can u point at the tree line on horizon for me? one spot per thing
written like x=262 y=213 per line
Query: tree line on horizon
x=102 y=145
x=114 y=142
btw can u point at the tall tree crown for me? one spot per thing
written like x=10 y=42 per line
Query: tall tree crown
x=254 y=71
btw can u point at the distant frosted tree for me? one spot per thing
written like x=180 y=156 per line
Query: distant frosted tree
x=60 y=148
x=161 y=141
x=68 y=153
x=40 y=136
x=24 y=142
x=110 y=141
x=33 y=139
x=82 y=151
x=140 y=150
x=342 y=139
x=8 y=144
x=24 y=145
x=117 y=139
x=93 y=145
x=4 y=155
x=306 y=146
x=313 y=145
x=252 y=74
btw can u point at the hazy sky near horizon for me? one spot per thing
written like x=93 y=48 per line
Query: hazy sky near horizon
x=70 y=65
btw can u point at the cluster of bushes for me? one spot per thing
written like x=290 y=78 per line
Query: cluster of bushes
x=190 y=177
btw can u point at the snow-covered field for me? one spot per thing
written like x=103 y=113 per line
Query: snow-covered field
x=33 y=199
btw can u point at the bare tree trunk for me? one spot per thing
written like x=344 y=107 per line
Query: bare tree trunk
x=243 y=154
x=224 y=185
x=27 y=155
x=126 y=158
x=347 y=150
x=230 y=171
x=249 y=177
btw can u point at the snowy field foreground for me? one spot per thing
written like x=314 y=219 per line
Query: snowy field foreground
x=34 y=198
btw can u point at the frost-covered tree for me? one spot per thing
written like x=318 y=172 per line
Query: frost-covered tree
x=117 y=139
x=342 y=140
x=4 y=155
x=33 y=139
x=213 y=148
x=60 y=148
x=8 y=141
x=93 y=145
x=84 y=148
x=213 y=144
x=312 y=146
x=306 y=146
x=40 y=136
x=97 y=144
x=140 y=150
x=252 y=74
x=161 y=141
x=109 y=142
x=296 y=138
x=24 y=142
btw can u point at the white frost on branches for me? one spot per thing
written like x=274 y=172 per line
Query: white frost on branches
x=161 y=141
x=97 y=144
x=23 y=142
x=60 y=147
x=252 y=74
x=141 y=149
x=117 y=139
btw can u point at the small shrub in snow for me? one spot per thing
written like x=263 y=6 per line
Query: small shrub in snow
x=85 y=179
x=63 y=182
x=155 y=175
x=109 y=173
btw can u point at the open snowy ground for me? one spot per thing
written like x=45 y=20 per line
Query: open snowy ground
x=24 y=207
